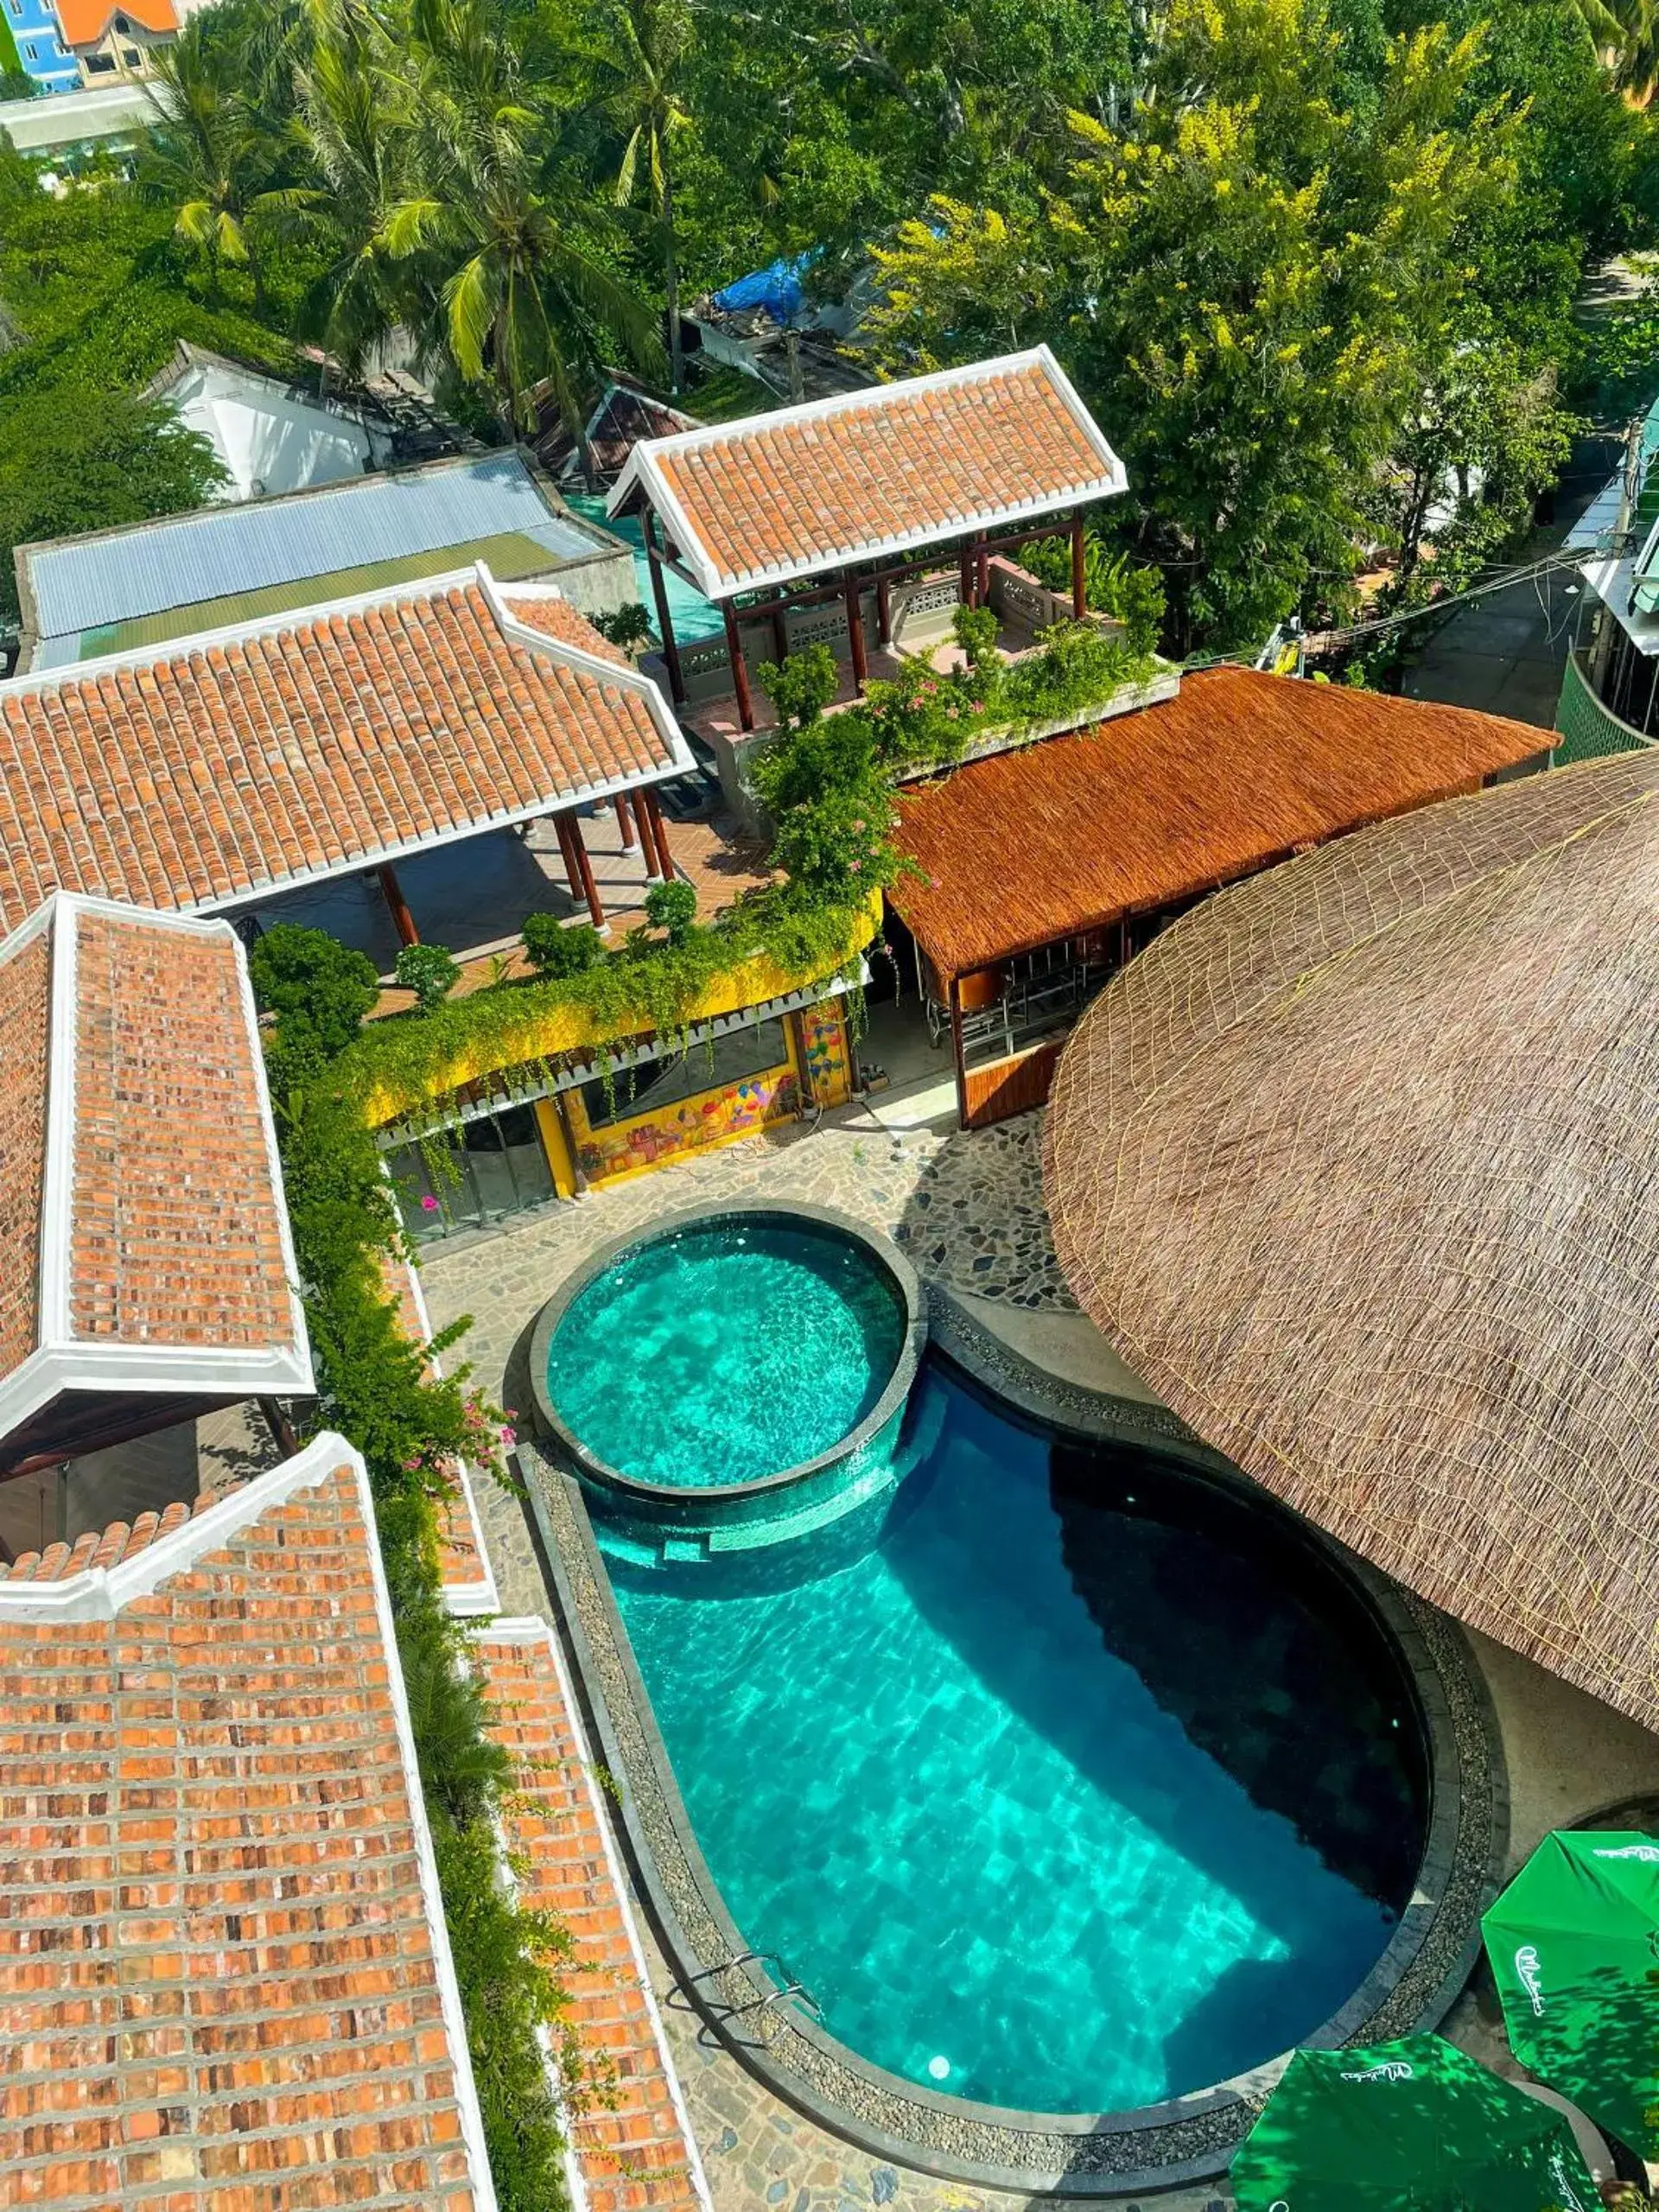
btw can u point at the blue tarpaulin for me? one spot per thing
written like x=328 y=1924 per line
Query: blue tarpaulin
x=778 y=289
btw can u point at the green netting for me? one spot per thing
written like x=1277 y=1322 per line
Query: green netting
x=1587 y=730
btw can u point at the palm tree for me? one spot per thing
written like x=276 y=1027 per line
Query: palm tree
x=1625 y=35
x=652 y=39
x=515 y=296
x=209 y=158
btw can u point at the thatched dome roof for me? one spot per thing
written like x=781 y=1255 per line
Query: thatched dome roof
x=1358 y=1166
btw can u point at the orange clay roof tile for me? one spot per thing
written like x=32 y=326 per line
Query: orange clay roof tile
x=808 y=489
x=206 y=772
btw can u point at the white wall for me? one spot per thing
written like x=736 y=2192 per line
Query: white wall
x=269 y=440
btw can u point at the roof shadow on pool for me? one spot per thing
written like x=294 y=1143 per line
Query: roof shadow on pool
x=1199 y=1636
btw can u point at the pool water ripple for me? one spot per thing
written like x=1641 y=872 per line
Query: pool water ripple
x=1088 y=1785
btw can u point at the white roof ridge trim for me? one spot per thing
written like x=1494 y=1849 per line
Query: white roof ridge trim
x=644 y=472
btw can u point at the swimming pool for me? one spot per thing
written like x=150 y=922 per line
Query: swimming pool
x=725 y=1349
x=1093 y=1782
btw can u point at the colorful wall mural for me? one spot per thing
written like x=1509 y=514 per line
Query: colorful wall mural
x=712 y=1117
x=829 y=1054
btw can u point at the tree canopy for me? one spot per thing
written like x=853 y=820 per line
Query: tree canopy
x=1313 y=262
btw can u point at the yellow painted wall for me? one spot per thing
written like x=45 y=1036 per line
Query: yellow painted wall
x=707 y=1119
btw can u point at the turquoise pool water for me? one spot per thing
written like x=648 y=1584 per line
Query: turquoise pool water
x=690 y=613
x=726 y=1353
x=1090 y=1784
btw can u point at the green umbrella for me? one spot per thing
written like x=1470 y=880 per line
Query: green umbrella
x=1407 y=2126
x=1574 y=1945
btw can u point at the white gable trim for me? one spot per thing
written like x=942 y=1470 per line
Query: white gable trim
x=643 y=472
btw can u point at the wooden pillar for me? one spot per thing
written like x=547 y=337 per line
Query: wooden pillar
x=281 y=1429
x=740 y=673
x=779 y=629
x=852 y=597
x=665 y=619
x=1079 y=575
x=956 y=1049
x=965 y=571
x=393 y=892
x=581 y=868
x=625 y=821
x=647 y=841
x=982 y=571
x=883 y=611
x=659 y=834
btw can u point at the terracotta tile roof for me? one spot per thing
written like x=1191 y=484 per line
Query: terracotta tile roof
x=809 y=487
x=224 y=1977
x=104 y=1547
x=84 y=21
x=554 y=616
x=1237 y=771
x=144 y=1242
x=635 y=2148
x=308 y=746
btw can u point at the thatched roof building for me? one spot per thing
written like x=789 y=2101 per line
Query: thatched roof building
x=1358 y=1166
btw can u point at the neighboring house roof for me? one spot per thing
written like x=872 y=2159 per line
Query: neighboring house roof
x=625 y=413
x=864 y=473
x=283 y=753
x=1239 y=770
x=223 y=1969
x=84 y=21
x=144 y=1248
x=145 y=583
x=1354 y=1167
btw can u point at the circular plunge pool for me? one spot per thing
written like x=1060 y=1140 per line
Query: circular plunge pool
x=727 y=1353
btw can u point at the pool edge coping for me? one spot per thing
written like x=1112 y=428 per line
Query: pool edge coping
x=1412 y=1987
x=693 y=1504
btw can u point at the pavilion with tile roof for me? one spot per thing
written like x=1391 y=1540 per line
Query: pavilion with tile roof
x=207 y=774
x=225 y=1974
x=146 y=1272
x=838 y=499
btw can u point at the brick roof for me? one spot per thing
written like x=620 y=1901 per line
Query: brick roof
x=807 y=488
x=1237 y=771
x=143 y=1244
x=304 y=746
x=224 y=1977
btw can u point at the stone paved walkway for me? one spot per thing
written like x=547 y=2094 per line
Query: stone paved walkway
x=969 y=1209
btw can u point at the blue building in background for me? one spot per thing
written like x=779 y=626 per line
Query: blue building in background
x=40 y=44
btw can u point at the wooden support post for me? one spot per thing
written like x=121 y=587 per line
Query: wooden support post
x=740 y=673
x=853 y=597
x=625 y=821
x=982 y=571
x=659 y=835
x=956 y=1049
x=779 y=630
x=393 y=892
x=884 y=610
x=647 y=843
x=572 y=869
x=1079 y=573
x=665 y=619
x=281 y=1429
x=965 y=572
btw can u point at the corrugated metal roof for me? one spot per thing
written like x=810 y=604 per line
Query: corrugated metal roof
x=219 y=552
x=510 y=559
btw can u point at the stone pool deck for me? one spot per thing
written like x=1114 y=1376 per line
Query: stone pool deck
x=967 y=1210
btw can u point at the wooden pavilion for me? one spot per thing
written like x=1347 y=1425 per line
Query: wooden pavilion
x=839 y=503
x=1040 y=871
x=1354 y=1167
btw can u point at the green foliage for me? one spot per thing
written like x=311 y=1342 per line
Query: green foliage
x=557 y=949
x=802 y=686
x=430 y=972
x=671 y=907
x=646 y=983
x=1113 y=584
x=627 y=626
x=974 y=630
x=378 y=1388
x=319 y=991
